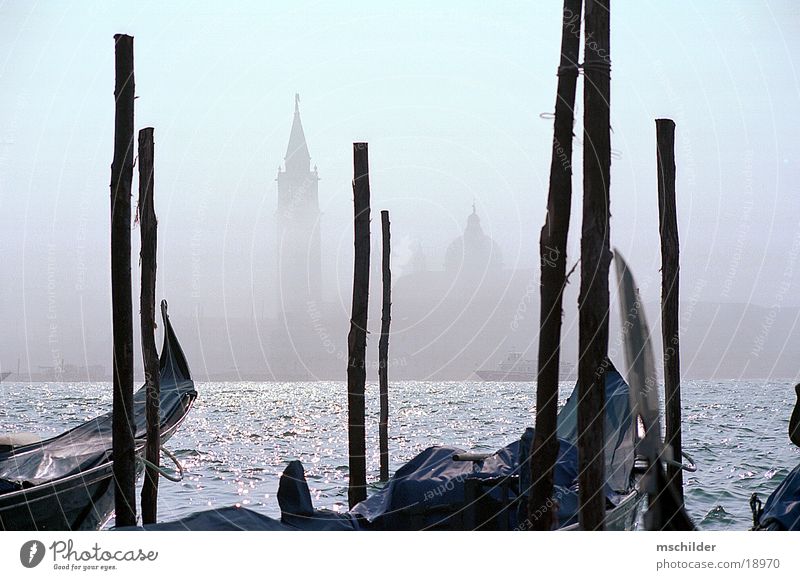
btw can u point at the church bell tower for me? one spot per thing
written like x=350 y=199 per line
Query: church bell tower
x=299 y=267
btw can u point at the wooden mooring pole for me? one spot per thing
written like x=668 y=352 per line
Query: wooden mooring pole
x=148 y=225
x=553 y=264
x=670 y=267
x=357 y=338
x=383 y=348
x=123 y=449
x=595 y=260
x=794 y=420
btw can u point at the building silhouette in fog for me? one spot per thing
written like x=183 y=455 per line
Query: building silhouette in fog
x=299 y=262
x=472 y=254
x=298 y=349
x=448 y=321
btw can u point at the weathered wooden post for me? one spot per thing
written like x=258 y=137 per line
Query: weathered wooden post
x=595 y=260
x=794 y=420
x=148 y=225
x=553 y=264
x=383 y=348
x=357 y=338
x=121 y=300
x=670 y=268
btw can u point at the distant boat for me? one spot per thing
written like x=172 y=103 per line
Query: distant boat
x=517 y=369
x=4 y=375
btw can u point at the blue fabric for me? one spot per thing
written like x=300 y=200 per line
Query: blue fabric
x=297 y=510
x=783 y=506
x=220 y=520
x=566 y=470
x=619 y=430
x=430 y=490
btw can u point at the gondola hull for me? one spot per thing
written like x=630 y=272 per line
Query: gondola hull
x=84 y=501
x=625 y=517
x=781 y=512
x=44 y=488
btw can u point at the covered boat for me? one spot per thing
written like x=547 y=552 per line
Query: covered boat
x=781 y=512
x=66 y=482
x=446 y=488
x=782 y=509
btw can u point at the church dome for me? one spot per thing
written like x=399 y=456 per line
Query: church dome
x=474 y=223
x=473 y=252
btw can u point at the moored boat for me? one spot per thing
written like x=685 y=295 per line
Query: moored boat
x=66 y=482
x=781 y=512
x=446 y=488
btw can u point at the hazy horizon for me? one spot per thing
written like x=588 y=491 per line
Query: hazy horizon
x=453 y=101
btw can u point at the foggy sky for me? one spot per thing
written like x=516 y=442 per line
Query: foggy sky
x=449 y=98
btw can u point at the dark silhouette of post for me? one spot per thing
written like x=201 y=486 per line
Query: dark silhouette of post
x=794 y=420
x=670 y=268
x=148 y=225
x=595 y=260
x=553 y=262
x=383 y=348
x=123 y=449
x=357 y=338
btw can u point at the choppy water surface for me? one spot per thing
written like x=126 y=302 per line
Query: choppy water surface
x=239 y=436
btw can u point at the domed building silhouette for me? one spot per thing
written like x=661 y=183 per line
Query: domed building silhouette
x=450 y=321
x=473 y=253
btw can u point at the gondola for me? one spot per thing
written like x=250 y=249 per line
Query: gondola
x=446 y=488
x=781 y=512
x=66 y=482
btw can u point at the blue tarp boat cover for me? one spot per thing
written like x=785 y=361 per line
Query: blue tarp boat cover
x=620 y=430
x=431 y=490
x=294 y=498
x=782 y=509
x=231 y=518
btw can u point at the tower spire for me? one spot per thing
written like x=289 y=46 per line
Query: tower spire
x=299 y=269
x=297 y=156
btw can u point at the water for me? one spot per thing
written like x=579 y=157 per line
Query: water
x=239 y=436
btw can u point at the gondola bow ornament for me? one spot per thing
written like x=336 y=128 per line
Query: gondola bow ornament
x=665 y=511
